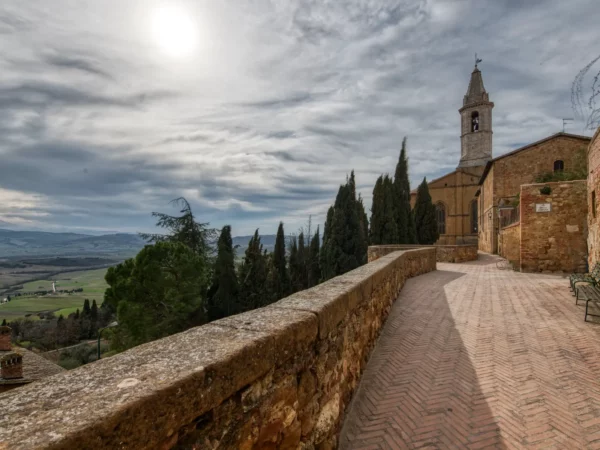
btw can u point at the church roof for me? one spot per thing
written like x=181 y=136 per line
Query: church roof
x=490 y=163
x=476 y=91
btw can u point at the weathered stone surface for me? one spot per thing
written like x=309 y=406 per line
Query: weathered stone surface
x=444 y=253
x=509 y=244
x=593 y=192
x=554 y=241
x=279 y=377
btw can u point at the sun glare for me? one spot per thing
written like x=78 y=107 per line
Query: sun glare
x=174 y=30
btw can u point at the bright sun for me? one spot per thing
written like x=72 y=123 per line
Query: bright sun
x=174 y=31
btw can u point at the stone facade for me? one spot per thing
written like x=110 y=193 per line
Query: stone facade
x=509 y=244
x=476 y=124
x=593 y=192
x=501 y=182
x=276 y=377
x=556 y=240
x=5 y=339
x=443 y=253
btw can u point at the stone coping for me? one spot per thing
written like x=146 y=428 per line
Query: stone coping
x=147 y=395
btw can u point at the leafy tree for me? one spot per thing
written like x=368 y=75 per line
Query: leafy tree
x=314 y=267
x=223 y=294
x=345 y=242
x=278 y=280
x=159 y=292
x=253 y=276
x=427 y=228
x=197 y=236
x=405 y=224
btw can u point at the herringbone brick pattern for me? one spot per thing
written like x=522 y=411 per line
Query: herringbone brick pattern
x=475 y=357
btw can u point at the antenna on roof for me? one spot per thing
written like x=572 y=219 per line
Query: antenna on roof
x=565 y=122
x=477 y=60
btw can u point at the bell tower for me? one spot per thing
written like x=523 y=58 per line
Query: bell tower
x=476 y=123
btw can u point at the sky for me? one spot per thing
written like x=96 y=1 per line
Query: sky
x=256 y=110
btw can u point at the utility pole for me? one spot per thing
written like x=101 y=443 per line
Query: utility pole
x=565 y=122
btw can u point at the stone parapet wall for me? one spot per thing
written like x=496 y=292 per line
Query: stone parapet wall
x=276 y=377
x=510 y=243
x=444 y=253
x=593 y=189
x=554 y=241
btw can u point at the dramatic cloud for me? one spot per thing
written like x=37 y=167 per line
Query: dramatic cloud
x=278 y=101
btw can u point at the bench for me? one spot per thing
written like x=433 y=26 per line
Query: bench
x=590 y=294
x=592 y=278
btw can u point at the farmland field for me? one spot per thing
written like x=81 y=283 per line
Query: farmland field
x=91 y=281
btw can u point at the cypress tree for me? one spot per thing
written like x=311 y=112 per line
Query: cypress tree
x=3 y=322
x=314 y=266
x=87 y=311
x=253 y=276
x=94 y=311
x=279 y=283
x=427 y=229
x=345 y=243
x=223 y=293
x=302 y=262
x=377 y=213
x=389 y=228
x=405 y=224
x=295 y=268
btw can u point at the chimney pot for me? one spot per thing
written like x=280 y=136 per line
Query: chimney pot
x=5 y=333
x=11 y=366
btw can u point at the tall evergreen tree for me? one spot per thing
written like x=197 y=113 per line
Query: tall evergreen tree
x=303 y=257
x=223 y=294
x=3 y=322
x=427 y=228
x=384 y=228
x=404 y=220
x=314 y=266
x=87 y=311
x=253 y=276
x=377 y=213
x=345 y=244
x=278 y=282
x=295 y=268
x=94 y=311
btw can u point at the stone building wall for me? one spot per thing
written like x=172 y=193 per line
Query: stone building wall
x=456 y=191
x=444 y=253
x=554 y=241
x=593 y=193
x=510 y=171
x=510 y=244
x=276 y=377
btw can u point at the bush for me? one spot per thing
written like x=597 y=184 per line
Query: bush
x=69 y=363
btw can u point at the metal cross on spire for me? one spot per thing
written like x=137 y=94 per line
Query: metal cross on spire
x=477 y=60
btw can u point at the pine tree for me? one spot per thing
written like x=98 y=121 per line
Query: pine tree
x=253 y=276
x=314 y=266
x=345 y=243
x=427 y=229
x=405 y=223
x=223 y=298
x=3 y=322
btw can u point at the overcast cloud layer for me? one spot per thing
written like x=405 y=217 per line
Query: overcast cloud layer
x=278 y=102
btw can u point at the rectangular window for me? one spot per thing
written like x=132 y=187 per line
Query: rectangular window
x=594 y=203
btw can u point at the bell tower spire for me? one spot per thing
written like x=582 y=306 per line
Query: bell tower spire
x=476 y=123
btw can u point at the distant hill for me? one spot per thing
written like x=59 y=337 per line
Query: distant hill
x=40 y=243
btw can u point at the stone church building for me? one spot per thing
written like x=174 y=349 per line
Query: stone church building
x=454 y=193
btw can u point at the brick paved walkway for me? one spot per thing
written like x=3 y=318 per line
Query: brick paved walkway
x=476 y=357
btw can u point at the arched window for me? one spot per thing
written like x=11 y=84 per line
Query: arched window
x=474 y=216
x=440 y=215
x=475 y=121
x=559 y=165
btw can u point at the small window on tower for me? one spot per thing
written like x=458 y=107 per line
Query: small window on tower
x=559 y=166
x=475 y=121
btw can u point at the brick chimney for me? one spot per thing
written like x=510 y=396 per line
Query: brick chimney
x=5 y=333
x=11 y=366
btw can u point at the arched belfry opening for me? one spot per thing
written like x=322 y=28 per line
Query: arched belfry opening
x=475 y=122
